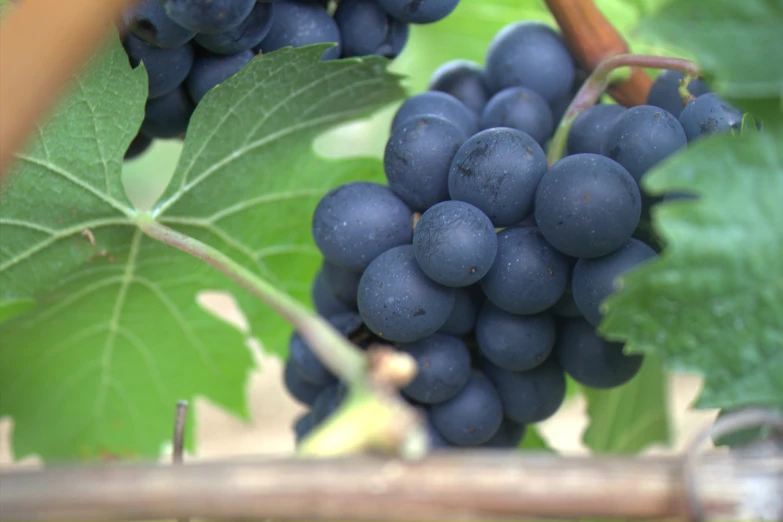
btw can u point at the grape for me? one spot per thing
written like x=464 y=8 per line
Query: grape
x=514 y=342
x=443 y=368
x=708 y=115
x=243 y=37
x=467 y=303
x=398 y=301
x=528 y=275
x=473 y=416
x=436 y=440
x=208 y=16
x=303 y=426
x=301 y=23
x=454 y=243
x=593 y=279
x=532 y=55
x=341 y=283
x=641 y=137
x=417 y=159
x=531 y=396
x=508 y=436
x=365 y=29
x=138 y=146
x=419 y=11
x=665 y=94
x=587 y=205
x=590 y=360
x=522 y=109
x=210 y=70
x=149 y=21
x=434 y=103
x=166 y=68
x=325 y=303
x=301 y=390
x=168 y=116
x=304 y=359
x=465 y=81
x=566 y=306
x=589 y=128
x=356 y=222
x=498 y=170
x=328 y=401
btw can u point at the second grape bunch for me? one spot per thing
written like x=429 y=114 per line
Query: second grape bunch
x=484 y=263
x=191 y=46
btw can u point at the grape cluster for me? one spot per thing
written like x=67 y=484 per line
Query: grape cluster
x=190 y=46
x=478 y=259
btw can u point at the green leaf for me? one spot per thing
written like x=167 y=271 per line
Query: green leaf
x=248 y=179
x=631 y=417
x=533 y=441
x=713 y=301
x=11 y=309
x=117 y=336
x=736 y=42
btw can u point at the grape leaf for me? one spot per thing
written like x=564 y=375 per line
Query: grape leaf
x=117 y=336
x=737 y=42
x=631 y=417
x=533 y=441
x=713 y=301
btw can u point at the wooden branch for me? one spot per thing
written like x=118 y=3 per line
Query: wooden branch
x=43 y=43
x=480 y=485
x=592 y=39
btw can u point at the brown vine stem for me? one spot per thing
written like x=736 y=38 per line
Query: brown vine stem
x=592 y=38
x=42 y=44
x=458 y=485
x=335 y=351
x=597 y=83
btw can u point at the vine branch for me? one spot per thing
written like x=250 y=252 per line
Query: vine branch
x=459 y=485
x=592 y=38
x=597 y=83
x=42 y=45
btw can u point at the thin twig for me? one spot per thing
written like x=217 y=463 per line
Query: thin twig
x=178 y=440
x=178 y=448
x=42 y=45
x=597 y=83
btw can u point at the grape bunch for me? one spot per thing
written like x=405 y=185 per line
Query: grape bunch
x=481 y=261
x=190 y=46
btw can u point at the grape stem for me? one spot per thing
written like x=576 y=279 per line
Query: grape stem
x=685 y=94
x=374 y=417
x=341 y=357
x=597 y=83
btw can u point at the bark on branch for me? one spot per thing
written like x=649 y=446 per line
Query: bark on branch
x=42 y=44
x=481 y=485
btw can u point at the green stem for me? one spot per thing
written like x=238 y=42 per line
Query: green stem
x=685 y=94
x=335 y=351
x=597 y=83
